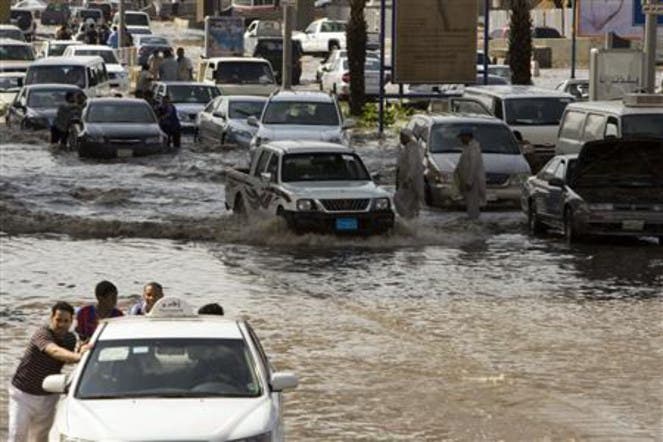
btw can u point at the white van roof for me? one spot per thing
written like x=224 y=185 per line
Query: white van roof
x=615 y=107
x=516 y=91
x=236 y=59
x=82 y=60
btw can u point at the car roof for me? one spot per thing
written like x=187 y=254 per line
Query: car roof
x=115 y=100
x=456 y=117
x=185 y=83
x=13 y=42
x=134 y=327
x=46 y=86
x=60 y=61
x=237 y=59
x=8 y=26
x=308 y=146
x=516 y=91
x=71 y=42
x=96 y=47
x=12 y=74
x=616 y=107
x=244 y=98
x=307 y=96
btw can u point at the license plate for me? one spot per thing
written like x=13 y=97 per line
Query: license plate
x=633 y=225
x=124 y=153
x=346 y=224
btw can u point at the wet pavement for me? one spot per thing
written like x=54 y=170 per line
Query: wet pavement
x=442 y=330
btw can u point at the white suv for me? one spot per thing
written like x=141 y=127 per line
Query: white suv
x=290 y=115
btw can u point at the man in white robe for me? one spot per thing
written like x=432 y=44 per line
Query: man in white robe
x=470 y=173
x=410 y=179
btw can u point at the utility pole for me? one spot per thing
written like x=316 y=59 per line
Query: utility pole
x=651 y=9
x=286 y=68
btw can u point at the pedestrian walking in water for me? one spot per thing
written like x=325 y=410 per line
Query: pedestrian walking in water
x=470 y=174
x=31 y=408
x=410 y=176
x=152 y=292
x=113 y=38
x=104 y=34
x=62 y=121
x=169 y=122
x=87 y=318
x=154 y=62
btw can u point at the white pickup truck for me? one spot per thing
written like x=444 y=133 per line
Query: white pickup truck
x=314 y=186
x=322 y=35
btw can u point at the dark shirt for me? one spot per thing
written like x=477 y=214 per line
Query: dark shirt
x=87 y=320
x=35 y=364
x=168 y=118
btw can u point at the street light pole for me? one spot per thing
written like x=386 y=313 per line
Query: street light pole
x=120 y=25
x=650 y=47
x=573 y=38
x=286 y=68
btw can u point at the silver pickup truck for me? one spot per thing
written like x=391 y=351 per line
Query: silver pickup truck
x=314 y=186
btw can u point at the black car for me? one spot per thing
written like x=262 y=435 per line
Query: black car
x=612 y=187
x=35 y=106
x=25 y=21
x=117 y=127
x=56 y=14
x=271 y=49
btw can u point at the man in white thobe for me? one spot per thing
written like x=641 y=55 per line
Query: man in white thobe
x=470 y=173
x=410 y=193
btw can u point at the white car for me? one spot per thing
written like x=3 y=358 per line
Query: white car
x=322 y=35
x=337 y=78
x=55 y=48
x=334 y=55
x=137 y=22
x=290 y=115
x=258 y=29
x=172 y=375
x=117 y=74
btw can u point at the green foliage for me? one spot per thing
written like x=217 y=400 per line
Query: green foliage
x=393 y=113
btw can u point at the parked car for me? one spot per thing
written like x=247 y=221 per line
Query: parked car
x=35 y=106
x=25 y=21
x=10 y=84
x=271 y=49
x=290 y=115
x=36 y=7
x=258 y=29
x=12 y=32
x=322 y=35
x=336 y=79
x=223 y=121
x=506 y=167
x=117 y=127
x=118 y=77
x=193 y=377
x=15 y=55
x=55 y=48
x=86 y=72
x=137 y=22
x=331 y=59
x=105 y=7
x=612 y=187
x=635 y=116
x=499 y=70
x=239 y=75
x=56 y=14
x=146 y=44
x=579 y=88
x=188 y=97
x=313 y=186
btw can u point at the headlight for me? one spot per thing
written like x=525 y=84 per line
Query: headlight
x=265 y=437
x=152 y=140
x=381 y=204
x=518 y=179
x=600 y=206
x=305 y=205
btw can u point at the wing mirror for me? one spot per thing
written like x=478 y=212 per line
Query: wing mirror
x=266 y=177
x=252 y=121
x=349 y=123
x=556 y=182
x=281 y=381
x=55 y=383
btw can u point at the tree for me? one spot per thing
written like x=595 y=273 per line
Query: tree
x=356 y=41
x=520 y=42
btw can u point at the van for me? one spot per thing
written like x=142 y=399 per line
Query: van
x=636 y=115
x=88 y=73
x=15 y=56
x=239 y=75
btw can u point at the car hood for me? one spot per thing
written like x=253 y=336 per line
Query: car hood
x=125 y=130
x=47 y=112
x=300 y=132
x=214 y=419
x=611 y=162
x=114 y=68
x=239 y=124
x=492 y=163
x=189 y=108
x=335 y=189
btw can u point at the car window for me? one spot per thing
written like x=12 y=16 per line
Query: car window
x=273 y=167
x=92 y=75
x=644 y=125
x=46 y=98
x=332 y=26
x=177 y=368
x=210 y=106
x=244 y=73
x=16 y=53
x=245 y=109
x=192 y=94
x=594 y=127
x=468 y=107
x=136 y=20
x=262 y=162
x=535 y=111
x=258 y=345
x=611 y=128
x=498 y=108
x=10 y=84
x=56 y=74
x=120 y=112
x=323 y=167
x=301 y=113
x=493 y=138
x=572 y=125
x=311 y=28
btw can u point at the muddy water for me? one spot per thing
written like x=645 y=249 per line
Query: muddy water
x=442 y=331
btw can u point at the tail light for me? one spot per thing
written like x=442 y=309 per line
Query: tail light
x=346 y=77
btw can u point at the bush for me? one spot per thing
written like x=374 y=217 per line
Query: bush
x=393 y=112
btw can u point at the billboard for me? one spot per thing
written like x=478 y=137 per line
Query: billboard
x=224 y=36
x=614 y=73
x=435 y=41
x=623 y=17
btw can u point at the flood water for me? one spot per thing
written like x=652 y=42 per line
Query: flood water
x=443 y=330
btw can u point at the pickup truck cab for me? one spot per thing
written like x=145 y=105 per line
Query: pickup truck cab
x=322 y=35
x=239 y=75
x=313 y=186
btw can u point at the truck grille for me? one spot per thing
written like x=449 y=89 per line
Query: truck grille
x=496 y=179
x=341 y=205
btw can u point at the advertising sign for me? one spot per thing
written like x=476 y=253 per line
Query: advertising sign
x=435 y=41
x=639 y=17
x=599 y=17
x=224 y=36
x=614 y=73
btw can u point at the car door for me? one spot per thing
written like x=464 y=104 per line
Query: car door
x=541 y=191
x=219 y=123
x=257 y=199
x=205 y=121
x=555 y=199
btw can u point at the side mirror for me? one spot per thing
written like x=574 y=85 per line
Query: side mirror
x=252 y=121
x=55 y=383
x=556 y=182
x=266 y=177
x=281 y=381
x=349 y=123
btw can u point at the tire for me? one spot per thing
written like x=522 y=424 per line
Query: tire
x=534 y=225
x=570 y=233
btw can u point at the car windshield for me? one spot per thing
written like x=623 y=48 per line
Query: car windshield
x=66 y=74
x=323 y=167
x=244 y=73
x=94 y=14
x=136 y=20
x=108 y=56
x=46 y=99
x=192 y=94
x=493 y=138
x=14 y=34
x=10 y=84
x=371 y=64
x=153 y=41
x=297 y=112
x=269 y=28
x=120 y=113
x=16 y=53
x=253 y=2
x=545 y=111
x=643 y=125
x=245 y=109
x=177 y=368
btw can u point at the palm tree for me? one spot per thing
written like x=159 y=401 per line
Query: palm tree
x=520 y=42
x=356 y=42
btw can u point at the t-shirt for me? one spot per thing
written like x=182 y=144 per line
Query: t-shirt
x=35 y=364
x=168 y=69
x=87 y=320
